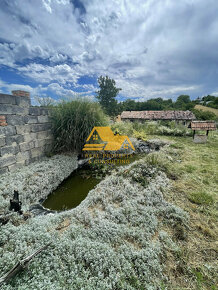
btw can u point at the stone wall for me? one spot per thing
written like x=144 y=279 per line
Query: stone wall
x=25 y=131
x=200 y=138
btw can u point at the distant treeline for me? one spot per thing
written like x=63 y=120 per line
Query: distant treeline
x=183 y=102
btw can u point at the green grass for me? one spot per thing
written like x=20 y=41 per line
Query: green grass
x=196 y=191
x=193 y=169
x=202 y=198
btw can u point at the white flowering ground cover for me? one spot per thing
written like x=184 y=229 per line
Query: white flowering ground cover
x=36 y=181
x=113 y=240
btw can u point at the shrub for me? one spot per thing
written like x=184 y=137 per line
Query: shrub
x=73 y=121
x=204 y=115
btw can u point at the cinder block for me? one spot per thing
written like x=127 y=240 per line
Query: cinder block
x=14 y=139
x=27 y=146
x=22 y=129
x=8 y=150
x=7 y=160
x=15 y=120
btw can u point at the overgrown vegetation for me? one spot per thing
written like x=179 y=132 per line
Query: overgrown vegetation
x=139 y=130
x=73 y=121
x=194 y=189
x=204 y=114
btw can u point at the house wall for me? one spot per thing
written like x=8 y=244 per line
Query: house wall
x=25 y=131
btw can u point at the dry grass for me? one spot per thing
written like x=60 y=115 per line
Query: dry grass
x=195 y=190
x=206 y=109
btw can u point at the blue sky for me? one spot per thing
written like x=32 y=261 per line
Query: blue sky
x=153 y=48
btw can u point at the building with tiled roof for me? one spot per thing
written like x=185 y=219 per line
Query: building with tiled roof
x=183 y=116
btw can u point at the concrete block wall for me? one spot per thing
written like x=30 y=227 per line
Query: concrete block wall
x=25 y=131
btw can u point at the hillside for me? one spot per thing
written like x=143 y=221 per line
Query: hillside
x=207 y=109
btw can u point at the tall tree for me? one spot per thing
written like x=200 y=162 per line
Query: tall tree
x=107 y=94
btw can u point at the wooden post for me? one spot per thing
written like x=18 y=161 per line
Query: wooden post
x=15 y=204
x=193 y=134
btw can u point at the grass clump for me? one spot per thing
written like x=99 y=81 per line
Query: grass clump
x=73 y=121
x=201 y=198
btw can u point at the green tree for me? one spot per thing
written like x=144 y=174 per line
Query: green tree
x=107 y=94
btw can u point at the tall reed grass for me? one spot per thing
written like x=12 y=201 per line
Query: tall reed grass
x=73 y=121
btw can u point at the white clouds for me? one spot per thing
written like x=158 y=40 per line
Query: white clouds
x=149 y=47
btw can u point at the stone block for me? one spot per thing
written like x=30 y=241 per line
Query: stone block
x=43 y=142
x=199 y=139
x=37 y=152
x=43 y=119
x=42 y=134
x=23 y=101
x=2 y=141
x=22 y=129
x=29 y=137
x=40 y=127
x=7 y=160
x=27 y=146
x=14 y=139
x=7 y=99
x=44 y=111
x=8 y=150
x=16 y=166
x=13 y=109
x=35 y=111
x=31 y=119
x=22 y=156
x=3 y=170
x=8 y=130
x=15 y=120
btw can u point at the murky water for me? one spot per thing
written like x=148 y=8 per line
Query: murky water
x=71 y=191
x=75 y=188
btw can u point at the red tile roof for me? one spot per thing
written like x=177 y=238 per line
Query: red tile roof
x=203 y=125
x=158 y=115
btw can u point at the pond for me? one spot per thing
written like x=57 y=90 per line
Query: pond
x=73 y=190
